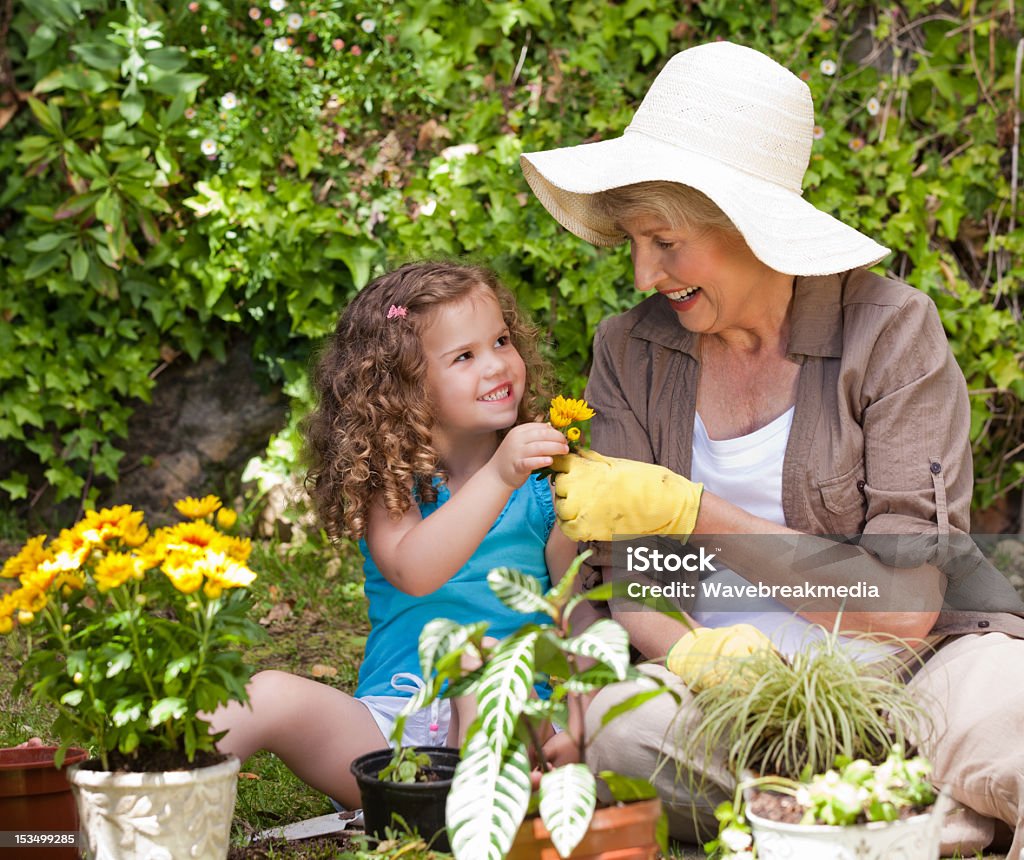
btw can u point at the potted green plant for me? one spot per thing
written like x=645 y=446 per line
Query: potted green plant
x=874 y=811
x=406 y=787
x=493 y=809
x=785 y=716
x=131 y=636
x=778 y=719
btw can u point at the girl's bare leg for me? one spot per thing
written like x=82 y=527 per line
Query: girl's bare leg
x=314 y=729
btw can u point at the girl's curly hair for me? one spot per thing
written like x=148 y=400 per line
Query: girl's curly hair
x=371 y=430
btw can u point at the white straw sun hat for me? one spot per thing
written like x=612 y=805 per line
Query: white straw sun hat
x=732 y=123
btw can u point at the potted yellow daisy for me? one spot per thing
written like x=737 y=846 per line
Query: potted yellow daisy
x=132 y=636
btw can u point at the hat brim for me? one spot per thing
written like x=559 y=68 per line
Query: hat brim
x=782 y=229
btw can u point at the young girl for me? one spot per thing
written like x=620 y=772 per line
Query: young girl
x=422 y=446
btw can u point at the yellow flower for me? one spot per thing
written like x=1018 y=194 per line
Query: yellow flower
x=186 y=578
x=226 y=518
x=573 y=434
x=135 y=536
x=69 y=583
x=69 y=591
x=29 y=599
x=238 y=548
x=154 y=550
x=194 y=535
x=64 y=562
x=566 y=410
x=29 y=557
x=116 y=569
x=225 y=572
x=197 y=509
x=7 y=606
x=38 y=580
x=109 y=524
x=62 y=570
x=71 y=549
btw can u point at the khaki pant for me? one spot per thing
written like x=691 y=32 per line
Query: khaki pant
x=977 y=751
x=974 y=687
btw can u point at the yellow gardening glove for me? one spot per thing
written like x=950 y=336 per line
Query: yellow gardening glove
x=597 y=497
x=704 y=657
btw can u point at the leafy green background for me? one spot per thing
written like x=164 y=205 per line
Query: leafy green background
x=178 y=174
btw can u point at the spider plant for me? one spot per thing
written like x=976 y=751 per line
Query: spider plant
x=793 y=715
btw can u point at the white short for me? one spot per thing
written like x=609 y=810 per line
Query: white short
x=427 y=727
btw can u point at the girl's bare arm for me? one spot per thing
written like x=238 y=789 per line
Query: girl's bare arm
x=418 y=555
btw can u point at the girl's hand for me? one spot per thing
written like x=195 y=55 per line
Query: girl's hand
x=525 y=448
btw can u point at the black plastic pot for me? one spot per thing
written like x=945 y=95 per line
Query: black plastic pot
x=420 y=804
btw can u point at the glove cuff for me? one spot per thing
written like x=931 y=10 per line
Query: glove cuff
x=689 y=506
x=675 y=659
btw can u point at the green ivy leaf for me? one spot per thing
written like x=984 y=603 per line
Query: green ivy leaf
x=15 y=485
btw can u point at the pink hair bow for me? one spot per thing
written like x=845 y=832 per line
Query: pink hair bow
x=397 y=311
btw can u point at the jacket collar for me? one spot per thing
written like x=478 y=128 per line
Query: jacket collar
x=817 y=320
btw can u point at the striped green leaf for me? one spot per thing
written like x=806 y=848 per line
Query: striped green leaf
x=519 y=591
x=567 y=798
x=598 y=677
x=488 y=799
x=604 y=641
x=441 y=637
x=504 y=687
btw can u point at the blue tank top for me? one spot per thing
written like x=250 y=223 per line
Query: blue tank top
x=517 y=540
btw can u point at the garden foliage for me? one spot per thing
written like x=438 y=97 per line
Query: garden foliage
x=177 y=175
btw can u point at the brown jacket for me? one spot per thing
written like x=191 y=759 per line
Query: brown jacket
x=879 y=445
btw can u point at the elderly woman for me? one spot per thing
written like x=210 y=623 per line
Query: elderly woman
x=772 y=386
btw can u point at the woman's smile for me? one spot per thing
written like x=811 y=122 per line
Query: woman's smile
x=683 y=300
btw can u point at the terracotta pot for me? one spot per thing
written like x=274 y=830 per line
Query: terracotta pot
x=35 y=796
x=624 y=832
x=420 y=804
x=166 y=815
x=915 y=838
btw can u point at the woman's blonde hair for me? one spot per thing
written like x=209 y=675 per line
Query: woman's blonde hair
x=680 y=206
x=371 y=430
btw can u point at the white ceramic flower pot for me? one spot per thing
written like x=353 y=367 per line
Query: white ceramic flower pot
x=914 y=838
x=170 y=815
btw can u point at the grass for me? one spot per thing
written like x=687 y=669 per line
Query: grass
x=310 y=600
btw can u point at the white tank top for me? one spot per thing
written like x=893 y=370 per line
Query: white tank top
x=747 y=471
